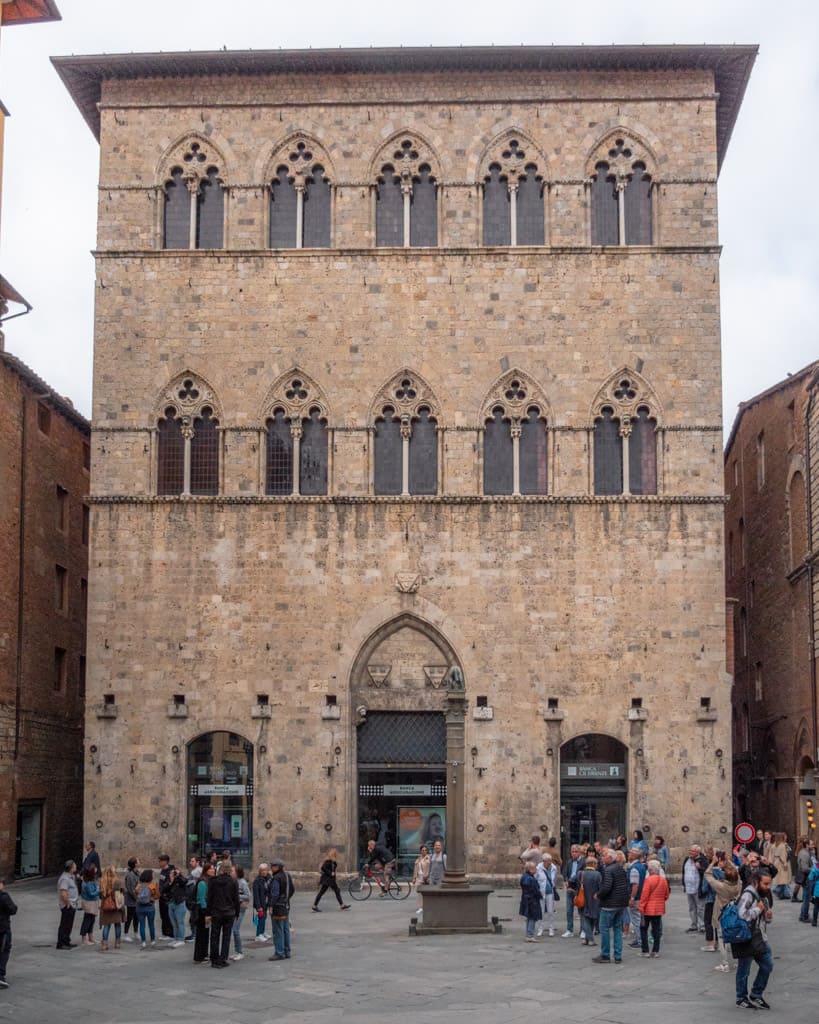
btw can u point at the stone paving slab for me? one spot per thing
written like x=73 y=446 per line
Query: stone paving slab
x=362 y=966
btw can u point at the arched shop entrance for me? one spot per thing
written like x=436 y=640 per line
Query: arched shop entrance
x=220 y=796
x=593 y=789
x=398 y=691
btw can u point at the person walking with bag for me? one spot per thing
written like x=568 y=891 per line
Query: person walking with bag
x=328 y=881
x=754 y=908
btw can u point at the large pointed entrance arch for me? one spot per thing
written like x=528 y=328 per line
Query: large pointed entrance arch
x=399 y=698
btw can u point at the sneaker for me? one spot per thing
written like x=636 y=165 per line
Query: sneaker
x=601 y=959
x=708 y=949
x=551 y=933
x=721 y=967
x=177 y=944
x=688 y=931
x=418 y=912
x=532 y=938
x=760 y=1003
x=153 y=942
x=745 y=1003
x=618 y=961
x=346 y=906
x=316 y=910
x=645 y=954
x=261 y=938
x=127 y=938
x=3 y=983
x=655 y=956
x=238 y=956
x=539 y=932
x=634 y=945
x=189 y=940
x=277 y=956
x=567 y=935
x=144 y=945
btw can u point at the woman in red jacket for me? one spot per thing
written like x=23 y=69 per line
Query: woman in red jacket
x=652 y=908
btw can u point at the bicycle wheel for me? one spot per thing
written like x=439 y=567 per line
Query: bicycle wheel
x=399 y=889
x=360 y=888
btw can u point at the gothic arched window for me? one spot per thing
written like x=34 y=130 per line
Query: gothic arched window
x=188 y=441
x=406 y=194
x=297 y=438
x=300 y=201
x=515 y=443
x=194 y=205
x=532 y=457
x=513 y=199
x=625 y=438
x=621 y=198
x=423 y=454
x=405 y=437
x=498 y=472
x=388 y=453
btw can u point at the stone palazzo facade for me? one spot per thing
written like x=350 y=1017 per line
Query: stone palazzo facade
x=406 y=359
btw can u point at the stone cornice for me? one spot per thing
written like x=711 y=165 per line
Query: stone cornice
x=618 y=251
x=435 y=499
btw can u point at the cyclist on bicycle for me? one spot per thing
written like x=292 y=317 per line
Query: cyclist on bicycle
x=380 y=858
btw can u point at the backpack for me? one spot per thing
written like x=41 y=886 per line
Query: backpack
x=190 y=893
x=734 y=929
x=143 y=896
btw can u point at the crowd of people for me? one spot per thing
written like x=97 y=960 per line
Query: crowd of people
x=620 y=891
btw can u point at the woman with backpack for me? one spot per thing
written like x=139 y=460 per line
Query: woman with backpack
x=147 y=891
x=201 y=942
x=90 y=903
x=112 y=908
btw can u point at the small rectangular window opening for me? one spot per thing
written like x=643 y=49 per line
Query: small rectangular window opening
x=552 y=703
x=262 y=699
x=43 y=418
x=179 y=699
x=482 y=702
x=62 y=509
x=636 y=702
x=86 y=455
x=705 y=703
x=330 y=700
x=61 y=588
x=109 y=699
x=83 y=671
x=86 y=521
x=59 y=668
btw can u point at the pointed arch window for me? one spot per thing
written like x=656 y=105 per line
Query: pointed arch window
x=515 y=441
x=188 y=441
x=300 y=202
x=532 y=453
x=625 y=439
x=621 y=198
x=297 y=453
x=406 y=438
x=406 y=194
x=279 y=475
x=513 y=212
x=498 y=454
x=194 y=204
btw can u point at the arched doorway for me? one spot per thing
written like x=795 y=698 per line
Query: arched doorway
x=399 y=697
x=593 y=789
x=220 y=796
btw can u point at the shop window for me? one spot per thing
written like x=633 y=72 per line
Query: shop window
x=220 y=796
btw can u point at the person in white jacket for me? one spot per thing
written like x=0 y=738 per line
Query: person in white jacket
x=546 y=876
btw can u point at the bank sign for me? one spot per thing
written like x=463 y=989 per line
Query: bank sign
x=593 y=771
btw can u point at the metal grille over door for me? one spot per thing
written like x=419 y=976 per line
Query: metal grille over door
x=402 y=737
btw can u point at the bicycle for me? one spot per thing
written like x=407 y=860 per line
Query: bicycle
x=361 y=887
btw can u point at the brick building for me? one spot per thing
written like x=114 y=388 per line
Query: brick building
x=407 y=359
x=768 y=575
x=44 y=463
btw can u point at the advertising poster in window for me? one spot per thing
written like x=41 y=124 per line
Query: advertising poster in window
x=420 y=825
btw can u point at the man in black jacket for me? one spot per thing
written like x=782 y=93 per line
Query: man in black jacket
x=222 y=909
x=281 y=892
x=614 y=896
x=8 y=909
x=165 y=869
x=261 y=900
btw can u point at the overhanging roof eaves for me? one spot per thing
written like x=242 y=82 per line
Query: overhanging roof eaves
x=47 y=394
x=26 y=12
x=83 y=76
x=743 y=407
x=10 y=294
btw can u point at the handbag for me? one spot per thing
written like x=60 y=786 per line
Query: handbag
x=580 y=898
x=109 y=903
x=119 y=899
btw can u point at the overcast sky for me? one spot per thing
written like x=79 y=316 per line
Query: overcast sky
x=769 y=217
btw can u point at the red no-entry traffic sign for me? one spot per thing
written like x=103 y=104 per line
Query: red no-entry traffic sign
x=744 y=832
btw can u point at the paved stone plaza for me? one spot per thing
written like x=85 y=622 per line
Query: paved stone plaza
x=362 y=966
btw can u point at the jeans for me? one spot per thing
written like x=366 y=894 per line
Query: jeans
x=5 y=951
x=611 y=920
x=765 y=962
x=65 y=926
x=220 y=929
x=783 y=891
x=655 y=923
x=803 y=913
x=237 y=930
x=696 y=911
x=570 y=911
x=260 y=918
x=281 y=935
x=531 y=924
x=146 y=914
x=177 y=912
x=636 y=923
x=106 y=931
x=709 y=922
x=815 y=910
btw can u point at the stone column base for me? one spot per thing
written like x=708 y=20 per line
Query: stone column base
x=456 y=911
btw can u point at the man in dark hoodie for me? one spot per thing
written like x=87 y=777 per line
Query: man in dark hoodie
x=222 y=909
x=8 y=909
x=614 y=895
